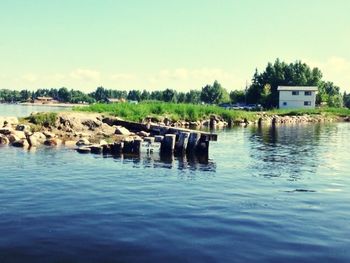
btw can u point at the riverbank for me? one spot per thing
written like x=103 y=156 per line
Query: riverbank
x=201 y=116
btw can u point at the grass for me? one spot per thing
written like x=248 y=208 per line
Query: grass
x=173 y=111
x=43 y=119
x=192 y=112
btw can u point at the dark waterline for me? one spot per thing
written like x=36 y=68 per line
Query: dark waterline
x=265 y=195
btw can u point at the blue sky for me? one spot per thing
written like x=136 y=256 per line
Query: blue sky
x=158 y=44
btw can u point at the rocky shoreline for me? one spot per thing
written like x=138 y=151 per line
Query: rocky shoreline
x=96 y=133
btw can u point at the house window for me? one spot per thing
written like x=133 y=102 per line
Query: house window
x=284 y=103
x=307 y=93
x=307 y=103
x=295 y=93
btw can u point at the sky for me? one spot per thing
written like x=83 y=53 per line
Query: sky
x=159 y=44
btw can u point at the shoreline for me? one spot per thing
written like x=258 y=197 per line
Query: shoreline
x=63 y=105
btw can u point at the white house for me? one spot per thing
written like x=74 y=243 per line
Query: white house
x=296 y=97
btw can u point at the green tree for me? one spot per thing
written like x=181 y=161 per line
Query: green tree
x=134 y=95
x=193 y=96
x=237 y=96
x=169 y=95
x=214 y=94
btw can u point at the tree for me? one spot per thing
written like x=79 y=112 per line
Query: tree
x=100 y=94
x=193 y=96
x=237 y=96
x=64 y=95
x=134 y=95
x=145 y=95
x=169 y=95
x=214 y=94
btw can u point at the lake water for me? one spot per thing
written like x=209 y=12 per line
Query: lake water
x=265 y=195
x=25 y=110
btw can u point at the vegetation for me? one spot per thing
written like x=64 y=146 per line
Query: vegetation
x=43 y=119
x=173 y=111
x=263 y=89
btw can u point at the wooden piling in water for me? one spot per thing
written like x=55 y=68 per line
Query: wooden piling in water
x=182 y=142
x=193 y=142
x=168 y=143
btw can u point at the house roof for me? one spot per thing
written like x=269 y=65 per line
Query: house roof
x=298 y=88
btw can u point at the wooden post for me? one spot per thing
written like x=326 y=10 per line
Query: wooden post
x=137 y=146
x=168 y=144
x=158 y=138
x=181 y=144
x=117 y=148
x=193 y=142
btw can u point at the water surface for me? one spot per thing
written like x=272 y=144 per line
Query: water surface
x=265 y=195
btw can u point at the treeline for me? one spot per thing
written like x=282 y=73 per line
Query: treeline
x=211 y=94
x=263 y=90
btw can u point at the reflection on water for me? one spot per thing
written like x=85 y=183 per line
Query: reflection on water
x=287 y=149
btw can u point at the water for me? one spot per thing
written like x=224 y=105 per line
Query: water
x=265 y=195
x=25 y=110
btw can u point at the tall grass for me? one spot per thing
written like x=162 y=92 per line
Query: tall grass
x=192 y=112
x=188 y=112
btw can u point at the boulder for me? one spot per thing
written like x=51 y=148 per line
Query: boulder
x=49 y=135
x=83 y=142
x=20 y=143
x=84 y=149
x=53 y=142
x=122 y=131
x=19 y=134
x=9 y=121
x=6 y=130
x=39 y=136
x=4 y=140
x=23 y=128
x=12 y=138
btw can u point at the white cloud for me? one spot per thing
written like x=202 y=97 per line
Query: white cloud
x=335 y=69
x=122 y=76
x=85 y=74
x=30 y=77
x=196 y=78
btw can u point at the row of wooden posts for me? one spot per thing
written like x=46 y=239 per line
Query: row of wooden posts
x=179 y=144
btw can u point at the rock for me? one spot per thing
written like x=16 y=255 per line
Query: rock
x=110 y=121
x=23 y=128
x=32 y=140
x=4 y=140
x=52 y=142
x=6 y=130
x=39 y=136
x=70 y=144
x=12 y=138
x=20 y=144
x=79 y=122
x=121 y=130
x=103 y=142
x=107 y=130
x=83 y=142
x=19 y=134
x=49 y=135
x=84 y=150
x=9 y=121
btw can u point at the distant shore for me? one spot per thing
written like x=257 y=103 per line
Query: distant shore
x=64 y=105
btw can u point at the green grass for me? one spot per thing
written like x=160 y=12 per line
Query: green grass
x=192 y=112
x=173 y=111
x=43 y=119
